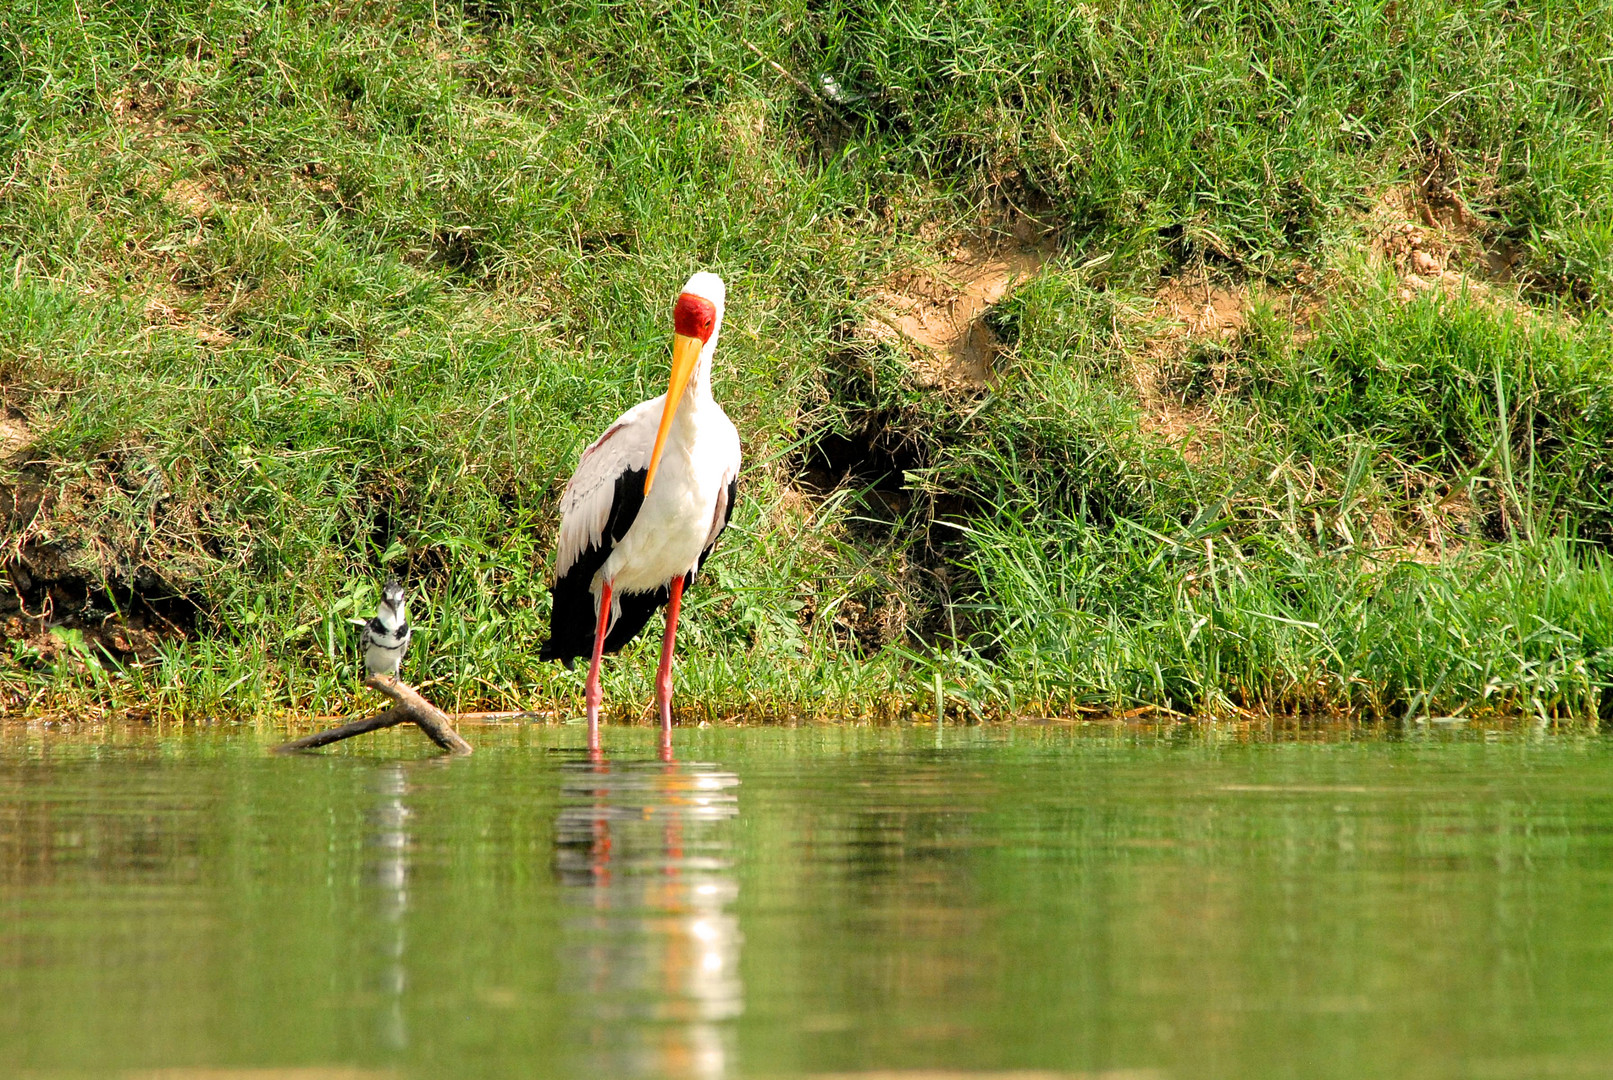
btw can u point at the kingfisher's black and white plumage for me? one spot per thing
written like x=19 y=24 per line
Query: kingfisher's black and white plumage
x=386 y=637
x=644 y=509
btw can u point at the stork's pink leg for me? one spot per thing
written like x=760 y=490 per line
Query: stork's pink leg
x=593 y=695
x=663 y=676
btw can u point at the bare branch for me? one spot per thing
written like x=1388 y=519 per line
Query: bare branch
x=409 y=707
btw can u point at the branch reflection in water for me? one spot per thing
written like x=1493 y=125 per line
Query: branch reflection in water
x=651 y=956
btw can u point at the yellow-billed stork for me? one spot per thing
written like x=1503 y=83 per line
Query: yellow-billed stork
x=644 y=510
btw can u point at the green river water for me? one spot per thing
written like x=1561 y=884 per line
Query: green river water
x=855 y=902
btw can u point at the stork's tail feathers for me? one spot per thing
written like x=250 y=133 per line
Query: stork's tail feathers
x=571 y=624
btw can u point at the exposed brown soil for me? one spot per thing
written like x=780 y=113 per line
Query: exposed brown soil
x=195 y=195
x=1192 y=315
x=1426 y=234
x=1183 y=368
x=141 y=108
x=15 y=436
x=938 y=312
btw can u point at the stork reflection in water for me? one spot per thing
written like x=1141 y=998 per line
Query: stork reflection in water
x=652 y=949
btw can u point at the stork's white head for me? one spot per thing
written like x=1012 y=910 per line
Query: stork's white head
x=707 y=286
x=696 y=318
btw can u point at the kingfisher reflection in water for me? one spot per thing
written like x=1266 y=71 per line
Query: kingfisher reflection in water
x=652 y=953
x=387 y=845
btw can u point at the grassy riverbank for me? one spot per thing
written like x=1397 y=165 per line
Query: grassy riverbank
x=1283 y=379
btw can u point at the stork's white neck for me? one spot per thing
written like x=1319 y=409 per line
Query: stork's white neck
x=699 y=389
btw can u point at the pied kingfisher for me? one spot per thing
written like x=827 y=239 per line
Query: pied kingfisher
x=386 y=637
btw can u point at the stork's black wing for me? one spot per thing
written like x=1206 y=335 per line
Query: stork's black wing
x=573 y=619
x=571 y=622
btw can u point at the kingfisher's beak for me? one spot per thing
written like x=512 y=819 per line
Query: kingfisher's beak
x=685 y=351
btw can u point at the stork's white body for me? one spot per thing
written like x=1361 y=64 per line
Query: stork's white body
x=683 y=513
x=644 y=508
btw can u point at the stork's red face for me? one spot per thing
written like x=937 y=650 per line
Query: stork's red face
x=694 y=316
x=693 y=320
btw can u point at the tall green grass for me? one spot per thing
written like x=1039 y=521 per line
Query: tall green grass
x=293 y=297
x=1200 y=623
